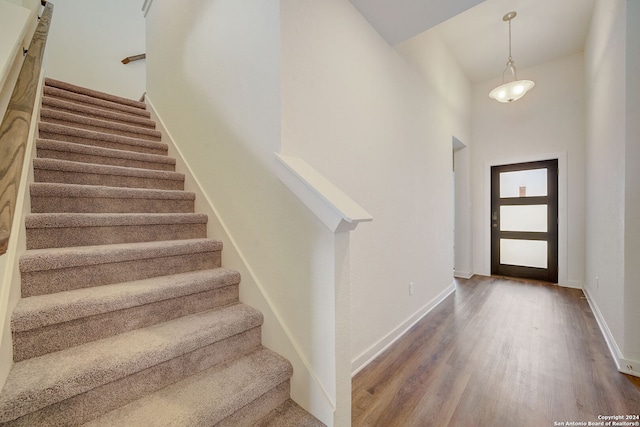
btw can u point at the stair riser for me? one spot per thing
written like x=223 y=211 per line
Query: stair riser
x=116 y=145
x=103 y=160
x=87 y=406
x=42 y=238
x=52 y=338
x=71 y=177
x=41 y=204
x=93 y=113
x=111 y=129
x=58 y=280
x=250 y=415
x=90 y=102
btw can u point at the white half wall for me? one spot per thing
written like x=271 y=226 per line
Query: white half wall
x=364 y=116
x=214 y=79
x=87 y=41
x=549 y=122
x=10 y=282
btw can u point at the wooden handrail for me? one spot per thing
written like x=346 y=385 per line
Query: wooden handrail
x=134 y=58
x=14 y=129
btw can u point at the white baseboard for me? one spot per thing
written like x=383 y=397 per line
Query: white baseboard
x=625 y=366
x=463 y=274
x=375 y=350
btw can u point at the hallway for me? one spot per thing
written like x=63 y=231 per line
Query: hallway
x=497 y=352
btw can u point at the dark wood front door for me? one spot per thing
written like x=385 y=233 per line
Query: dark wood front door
x=524 y=220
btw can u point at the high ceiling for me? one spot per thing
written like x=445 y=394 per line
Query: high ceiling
x=544 y=30
x=399 y=20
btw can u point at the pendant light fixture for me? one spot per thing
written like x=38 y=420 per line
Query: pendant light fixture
x=513 y=89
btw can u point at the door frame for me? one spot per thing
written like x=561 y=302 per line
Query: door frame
x=562 y=208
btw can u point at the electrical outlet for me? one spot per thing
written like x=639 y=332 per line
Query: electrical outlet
x=411 y=288
x=597 y=282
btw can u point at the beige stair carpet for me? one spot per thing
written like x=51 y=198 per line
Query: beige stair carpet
x=127 y=317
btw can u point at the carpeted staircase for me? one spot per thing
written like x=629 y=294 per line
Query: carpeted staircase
x=127 y=317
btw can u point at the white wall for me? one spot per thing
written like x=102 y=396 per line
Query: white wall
x=435 y=64
x=87 y=41
x=632 y=187
x=613 y=176
x=463 y=255
x=605 y=163
x=358 y=112
x=548 y=122
x=214 y=80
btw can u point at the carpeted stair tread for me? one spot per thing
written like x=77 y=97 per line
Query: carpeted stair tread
x=50 y=197
x=42 y=381
x=206 y=398
x=46 y=271
x=68 y=172
x=74 y=190
x=56 y=220
x=89 y=123
x=59 y=258
x=94 y=102
x=250 y=415
x=55 y=230
x=108 y=115
x=93 y=93
x=101 y=139
x=289 y=414
x=44 y=310
x=49 y=148
x=49 y=323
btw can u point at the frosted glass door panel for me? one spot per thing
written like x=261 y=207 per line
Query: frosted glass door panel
x=527 y=253
x=523 y=218
x=526 y=183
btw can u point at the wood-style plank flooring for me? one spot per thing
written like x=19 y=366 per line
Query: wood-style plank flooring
x=497 y=352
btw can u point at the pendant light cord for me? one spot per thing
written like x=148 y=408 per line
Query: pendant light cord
x=510 y=59
x=510 y=63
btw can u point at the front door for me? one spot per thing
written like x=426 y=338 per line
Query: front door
x=524 y=220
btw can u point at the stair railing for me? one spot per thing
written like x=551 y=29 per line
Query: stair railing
x=14 y=129
x=134 y=58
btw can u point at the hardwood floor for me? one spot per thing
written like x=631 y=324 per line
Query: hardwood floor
x=498 y=353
